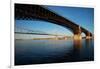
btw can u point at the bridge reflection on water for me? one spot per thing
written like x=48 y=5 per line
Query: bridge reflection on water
x=52 y=51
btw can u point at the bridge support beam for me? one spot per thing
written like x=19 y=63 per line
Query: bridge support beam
x=77 y=34
x=77 y=37
x=88 y=36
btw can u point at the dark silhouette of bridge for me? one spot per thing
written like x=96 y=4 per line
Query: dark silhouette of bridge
x=31 y=12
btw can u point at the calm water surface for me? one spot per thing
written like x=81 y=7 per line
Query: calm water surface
x=52 y=51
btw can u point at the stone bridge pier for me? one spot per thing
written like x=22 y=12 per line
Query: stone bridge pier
x=77 y=33
x=88 y=35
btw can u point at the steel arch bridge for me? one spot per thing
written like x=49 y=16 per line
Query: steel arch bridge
x=31 y=12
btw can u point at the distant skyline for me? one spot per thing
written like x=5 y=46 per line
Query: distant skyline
x=81 y=16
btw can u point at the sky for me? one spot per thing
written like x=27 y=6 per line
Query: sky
x=81 y=16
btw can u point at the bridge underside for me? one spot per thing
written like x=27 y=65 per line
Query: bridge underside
x=25 y=12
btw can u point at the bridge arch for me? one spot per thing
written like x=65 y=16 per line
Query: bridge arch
x=41 y=13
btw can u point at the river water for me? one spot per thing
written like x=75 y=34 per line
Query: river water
x=53 y=51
